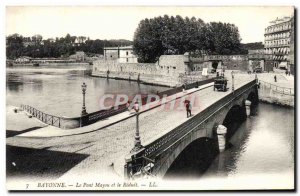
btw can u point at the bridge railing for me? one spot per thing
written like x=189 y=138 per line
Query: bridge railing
x=45 y=118
x=99 y=115
x=278 y=89
x=155 y=148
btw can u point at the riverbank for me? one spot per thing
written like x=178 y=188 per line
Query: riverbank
x=130 y=79
x=46 y=64
x=280 y=92
x=157 y=80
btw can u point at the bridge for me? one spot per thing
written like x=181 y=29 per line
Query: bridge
x=105 y=151
x=156 y=157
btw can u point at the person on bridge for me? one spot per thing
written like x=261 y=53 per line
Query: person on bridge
x=188 y=108
x=128 y=105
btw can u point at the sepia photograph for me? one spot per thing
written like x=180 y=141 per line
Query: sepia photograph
x=150 y=98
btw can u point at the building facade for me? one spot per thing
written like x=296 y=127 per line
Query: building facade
x=123 y=54
x=292 y=48
x=278 y=42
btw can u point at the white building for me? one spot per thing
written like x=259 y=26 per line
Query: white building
x=278 y=41
x=122 y=54
x=23 y=59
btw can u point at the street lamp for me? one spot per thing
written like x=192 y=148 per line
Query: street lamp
x=232 y=75
x=256 y=79
x=137 y=141
x=83 y=112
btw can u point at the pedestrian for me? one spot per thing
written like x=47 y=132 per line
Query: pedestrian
x=188 y=108
x=136 y=106
x=128 y=106
x=183 y=87
x=275 y=78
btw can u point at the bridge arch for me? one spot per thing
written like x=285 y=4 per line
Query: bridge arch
x=253 y=97
x=193 y=160
x=216 y=64
x=234 y=117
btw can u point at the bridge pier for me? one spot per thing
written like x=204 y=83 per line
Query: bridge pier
x=221 y=131
x=248 y=107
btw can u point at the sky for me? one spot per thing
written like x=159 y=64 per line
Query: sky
x=120 y=22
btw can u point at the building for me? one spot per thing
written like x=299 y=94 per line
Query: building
x=278 y=41
x=122 y=54
x=23 y=59
x=81 y=40
x=292 y=49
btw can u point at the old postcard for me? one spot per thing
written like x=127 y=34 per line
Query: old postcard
x=150 y=98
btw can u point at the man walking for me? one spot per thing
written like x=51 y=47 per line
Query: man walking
x=188 y=107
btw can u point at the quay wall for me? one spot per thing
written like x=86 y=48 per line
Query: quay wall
x=164 y=72
x=231 y=62
x=46 y=64
x=276 y=95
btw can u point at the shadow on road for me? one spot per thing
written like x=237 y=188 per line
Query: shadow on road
x=41 y=163
x=11 y=133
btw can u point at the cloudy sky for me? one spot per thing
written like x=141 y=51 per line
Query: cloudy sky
x=120 y=22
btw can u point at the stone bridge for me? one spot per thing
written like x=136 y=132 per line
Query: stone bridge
x=156 y=157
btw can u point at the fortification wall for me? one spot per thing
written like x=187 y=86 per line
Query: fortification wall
x=164 y=72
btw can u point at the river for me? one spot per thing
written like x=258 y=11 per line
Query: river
x=260 y=154
x=57 y=90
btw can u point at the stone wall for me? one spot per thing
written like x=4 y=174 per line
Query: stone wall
x=236 y=64
x=174 y=64
x=276 y=95
x=164 y=72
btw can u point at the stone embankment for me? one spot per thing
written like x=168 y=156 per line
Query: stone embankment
x=280 y=92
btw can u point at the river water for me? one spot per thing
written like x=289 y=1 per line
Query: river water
x=263 y=146
x=260 y=154
x=57 y=90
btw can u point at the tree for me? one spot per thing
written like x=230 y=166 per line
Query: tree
x=63 y=46
x=176 y=35
x=222 y=38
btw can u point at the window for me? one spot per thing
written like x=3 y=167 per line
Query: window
x=127 y=53
x=127 y=60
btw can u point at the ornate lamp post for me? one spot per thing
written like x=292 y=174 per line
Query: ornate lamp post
x=232 y=75
x=137 y=141
x=83 y=112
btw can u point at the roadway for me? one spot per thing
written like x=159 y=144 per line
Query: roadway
x=109 y=144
